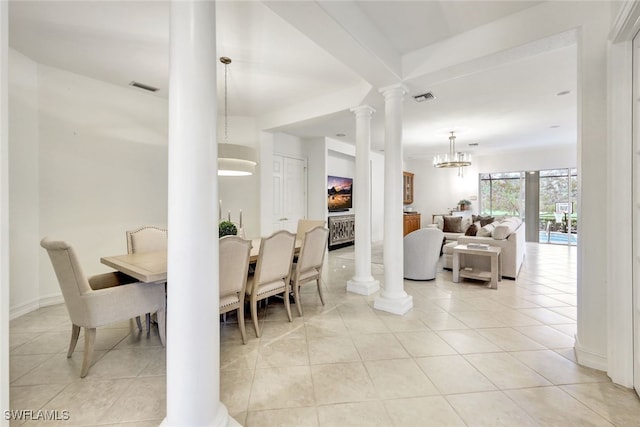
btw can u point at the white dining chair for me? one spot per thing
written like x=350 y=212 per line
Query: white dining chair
x=308 y=268
x=305 y=225
x=111 y=301
x=234 y=267
x=273 y=269
x=147 y=238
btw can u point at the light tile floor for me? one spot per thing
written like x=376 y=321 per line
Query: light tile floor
x=465 y=355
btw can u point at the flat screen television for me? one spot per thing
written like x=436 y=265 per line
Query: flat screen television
x=339 y=193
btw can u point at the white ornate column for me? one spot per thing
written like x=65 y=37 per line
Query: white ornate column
x=393 y=298
x=363 y=282
x=193 y=342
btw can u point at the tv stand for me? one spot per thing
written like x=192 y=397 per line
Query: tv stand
x=341 y=230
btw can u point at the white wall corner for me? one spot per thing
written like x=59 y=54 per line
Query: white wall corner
x=590 y=359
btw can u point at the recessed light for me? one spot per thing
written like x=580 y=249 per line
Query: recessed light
x=340 y=135
x=564 y=92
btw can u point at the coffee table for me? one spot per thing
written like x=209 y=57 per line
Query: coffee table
x=493 y=276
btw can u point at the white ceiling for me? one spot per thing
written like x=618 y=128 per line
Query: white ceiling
x=280 y=63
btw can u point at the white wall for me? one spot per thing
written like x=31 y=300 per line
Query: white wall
x=23 y=184
x=564 y=156
x=94 y=164
x=241 y=192
x=316 y=149
x=437 y=191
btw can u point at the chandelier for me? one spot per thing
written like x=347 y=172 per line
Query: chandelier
x=233 y=159
x=453 y=159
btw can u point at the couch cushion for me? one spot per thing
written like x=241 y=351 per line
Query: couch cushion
x=505 y=228
x=452 y=224
x=487 y=230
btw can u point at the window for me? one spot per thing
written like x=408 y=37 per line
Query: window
x=502 y=194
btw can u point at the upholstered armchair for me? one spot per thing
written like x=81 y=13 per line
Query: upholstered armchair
x=111 y=302
x=421 y=253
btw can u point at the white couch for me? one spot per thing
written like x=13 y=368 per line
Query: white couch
x=508 y=234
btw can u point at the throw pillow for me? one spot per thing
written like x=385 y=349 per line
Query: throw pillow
x=484 y=220
x=471 y=231
x=452 y=224
x=465 y=223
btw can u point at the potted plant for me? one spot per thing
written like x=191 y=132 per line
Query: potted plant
x=227 y=228
x=464 y=204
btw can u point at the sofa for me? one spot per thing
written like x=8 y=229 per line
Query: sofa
x=508 y=234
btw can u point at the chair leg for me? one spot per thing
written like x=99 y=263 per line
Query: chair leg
x=296 y=298
x=254 y=316
x=161 y=316
x=243 y=329
x=139 y=323
x=148 y=318
x=75 y=332
x=89 y=341
x=287 y=305
x=320 y=290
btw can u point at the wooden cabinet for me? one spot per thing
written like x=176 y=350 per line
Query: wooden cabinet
x=407 y=188
x=411 y=222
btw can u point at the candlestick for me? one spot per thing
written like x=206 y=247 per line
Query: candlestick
x=229 y=216
x=240 y=218
x=220 y=211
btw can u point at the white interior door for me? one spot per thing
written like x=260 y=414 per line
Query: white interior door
x=636 y=214
x=289 y=192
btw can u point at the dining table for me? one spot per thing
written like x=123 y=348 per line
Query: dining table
x=151 y=267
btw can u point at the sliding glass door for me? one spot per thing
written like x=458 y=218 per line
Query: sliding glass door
x=558 y=217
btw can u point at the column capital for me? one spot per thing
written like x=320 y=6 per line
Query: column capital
x=362 y=110
x=394 y=89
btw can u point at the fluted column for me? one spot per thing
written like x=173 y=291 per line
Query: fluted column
x=393 y=298
x=363 y=282
x=193 y=341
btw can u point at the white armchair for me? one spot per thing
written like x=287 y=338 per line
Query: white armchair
x=421 y=253
x=91 y=308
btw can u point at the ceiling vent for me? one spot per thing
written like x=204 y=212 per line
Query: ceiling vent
x=424 y=97
x=143 y=86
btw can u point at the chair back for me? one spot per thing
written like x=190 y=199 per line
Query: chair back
x=234 y=264
x=146 y=239
x=73 y=283
x=313 y=249
x=276 y=254
x=421 y=253
x=305 y=225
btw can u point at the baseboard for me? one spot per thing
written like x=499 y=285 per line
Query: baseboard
x=33 y=305
x=590 y=359
x=22 y=309
x=54 y=299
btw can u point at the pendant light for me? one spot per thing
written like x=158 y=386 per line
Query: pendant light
x=233 y=159
x=453 y=159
